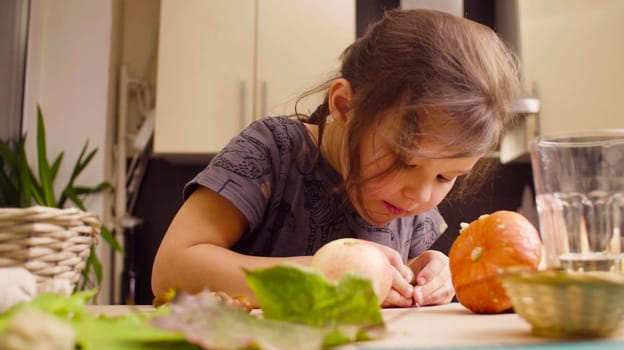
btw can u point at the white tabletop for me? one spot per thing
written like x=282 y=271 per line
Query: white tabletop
x=452 y=325
x=449 y=325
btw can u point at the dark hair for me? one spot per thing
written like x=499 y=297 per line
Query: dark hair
x=449 y=79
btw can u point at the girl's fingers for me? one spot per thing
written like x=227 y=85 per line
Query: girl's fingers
x=436 y=269
x=405 y=272
x=438 y=290
x=402 y=292
x=401 y=285
x=433 y=279
x=394 y=299
x=396 y=260
x=434 y=293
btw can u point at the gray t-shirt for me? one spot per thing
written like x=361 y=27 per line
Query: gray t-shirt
x=271 y=173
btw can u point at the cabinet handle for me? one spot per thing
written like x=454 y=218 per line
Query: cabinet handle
x=263 y=98
x=243 y=105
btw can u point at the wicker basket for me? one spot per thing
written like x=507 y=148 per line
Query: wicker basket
x=562 y=304
x=51 y=243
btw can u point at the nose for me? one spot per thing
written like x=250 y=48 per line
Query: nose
x=418 y=191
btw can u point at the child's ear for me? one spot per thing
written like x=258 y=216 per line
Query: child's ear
x=340 y=96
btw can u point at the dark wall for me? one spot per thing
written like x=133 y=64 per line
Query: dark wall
x=502 y=191
x=369 y=11
x=158 y=201
x=482 y=11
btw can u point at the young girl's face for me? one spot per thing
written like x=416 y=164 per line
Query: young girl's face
x=417 y=186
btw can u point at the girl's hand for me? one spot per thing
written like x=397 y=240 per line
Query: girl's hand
x=401 y=294
x=433 y=283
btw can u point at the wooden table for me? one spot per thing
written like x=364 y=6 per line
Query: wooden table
x=447 y=326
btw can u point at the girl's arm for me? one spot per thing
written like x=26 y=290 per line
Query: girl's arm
x=194 y=253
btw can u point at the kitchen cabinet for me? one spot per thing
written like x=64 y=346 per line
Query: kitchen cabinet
x=224 y=63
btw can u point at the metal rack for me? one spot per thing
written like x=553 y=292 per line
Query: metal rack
x=520 y=131
x=132 y=150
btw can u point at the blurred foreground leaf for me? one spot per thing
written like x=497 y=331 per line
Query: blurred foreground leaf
x=131 y=331
x=348 y=311
x=213 y=325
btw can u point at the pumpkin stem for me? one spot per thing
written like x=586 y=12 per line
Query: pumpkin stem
x=476 y=253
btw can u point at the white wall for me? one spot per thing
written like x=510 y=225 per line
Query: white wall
x=68 y=75
x=573 y=51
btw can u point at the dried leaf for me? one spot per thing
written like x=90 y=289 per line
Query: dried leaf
x=213 y=325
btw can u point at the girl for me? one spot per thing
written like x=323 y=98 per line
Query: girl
x=417 y=102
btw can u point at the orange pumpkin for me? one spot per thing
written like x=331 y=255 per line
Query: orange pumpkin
x=486 y=248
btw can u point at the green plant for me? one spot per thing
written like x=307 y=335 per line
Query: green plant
x=22 y=187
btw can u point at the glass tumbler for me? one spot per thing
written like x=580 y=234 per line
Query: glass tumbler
x=579 y=186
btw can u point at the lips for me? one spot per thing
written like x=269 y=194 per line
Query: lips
x=394 y=210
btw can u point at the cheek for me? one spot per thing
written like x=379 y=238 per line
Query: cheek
x=436 y=198
x=440 y=193
x=381 y=188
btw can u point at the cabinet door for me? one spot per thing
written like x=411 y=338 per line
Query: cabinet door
x=205 y=71
x=299 y=44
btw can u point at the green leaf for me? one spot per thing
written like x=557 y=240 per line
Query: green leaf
x=92 y=263
x=215 y=325
x=56 y=165
x=97 y=265
x=9 y=180
x=82 y=163
x=8 y=194
x=25 y=179
x=69 y=193
x=102 y=186
x=108 y=236
x=36 y=191
x=52 y=303
x=73 y=193
x=45 y=173
x=8 y=155
x=296 y=294
x=128 y=332
x=86 y=273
